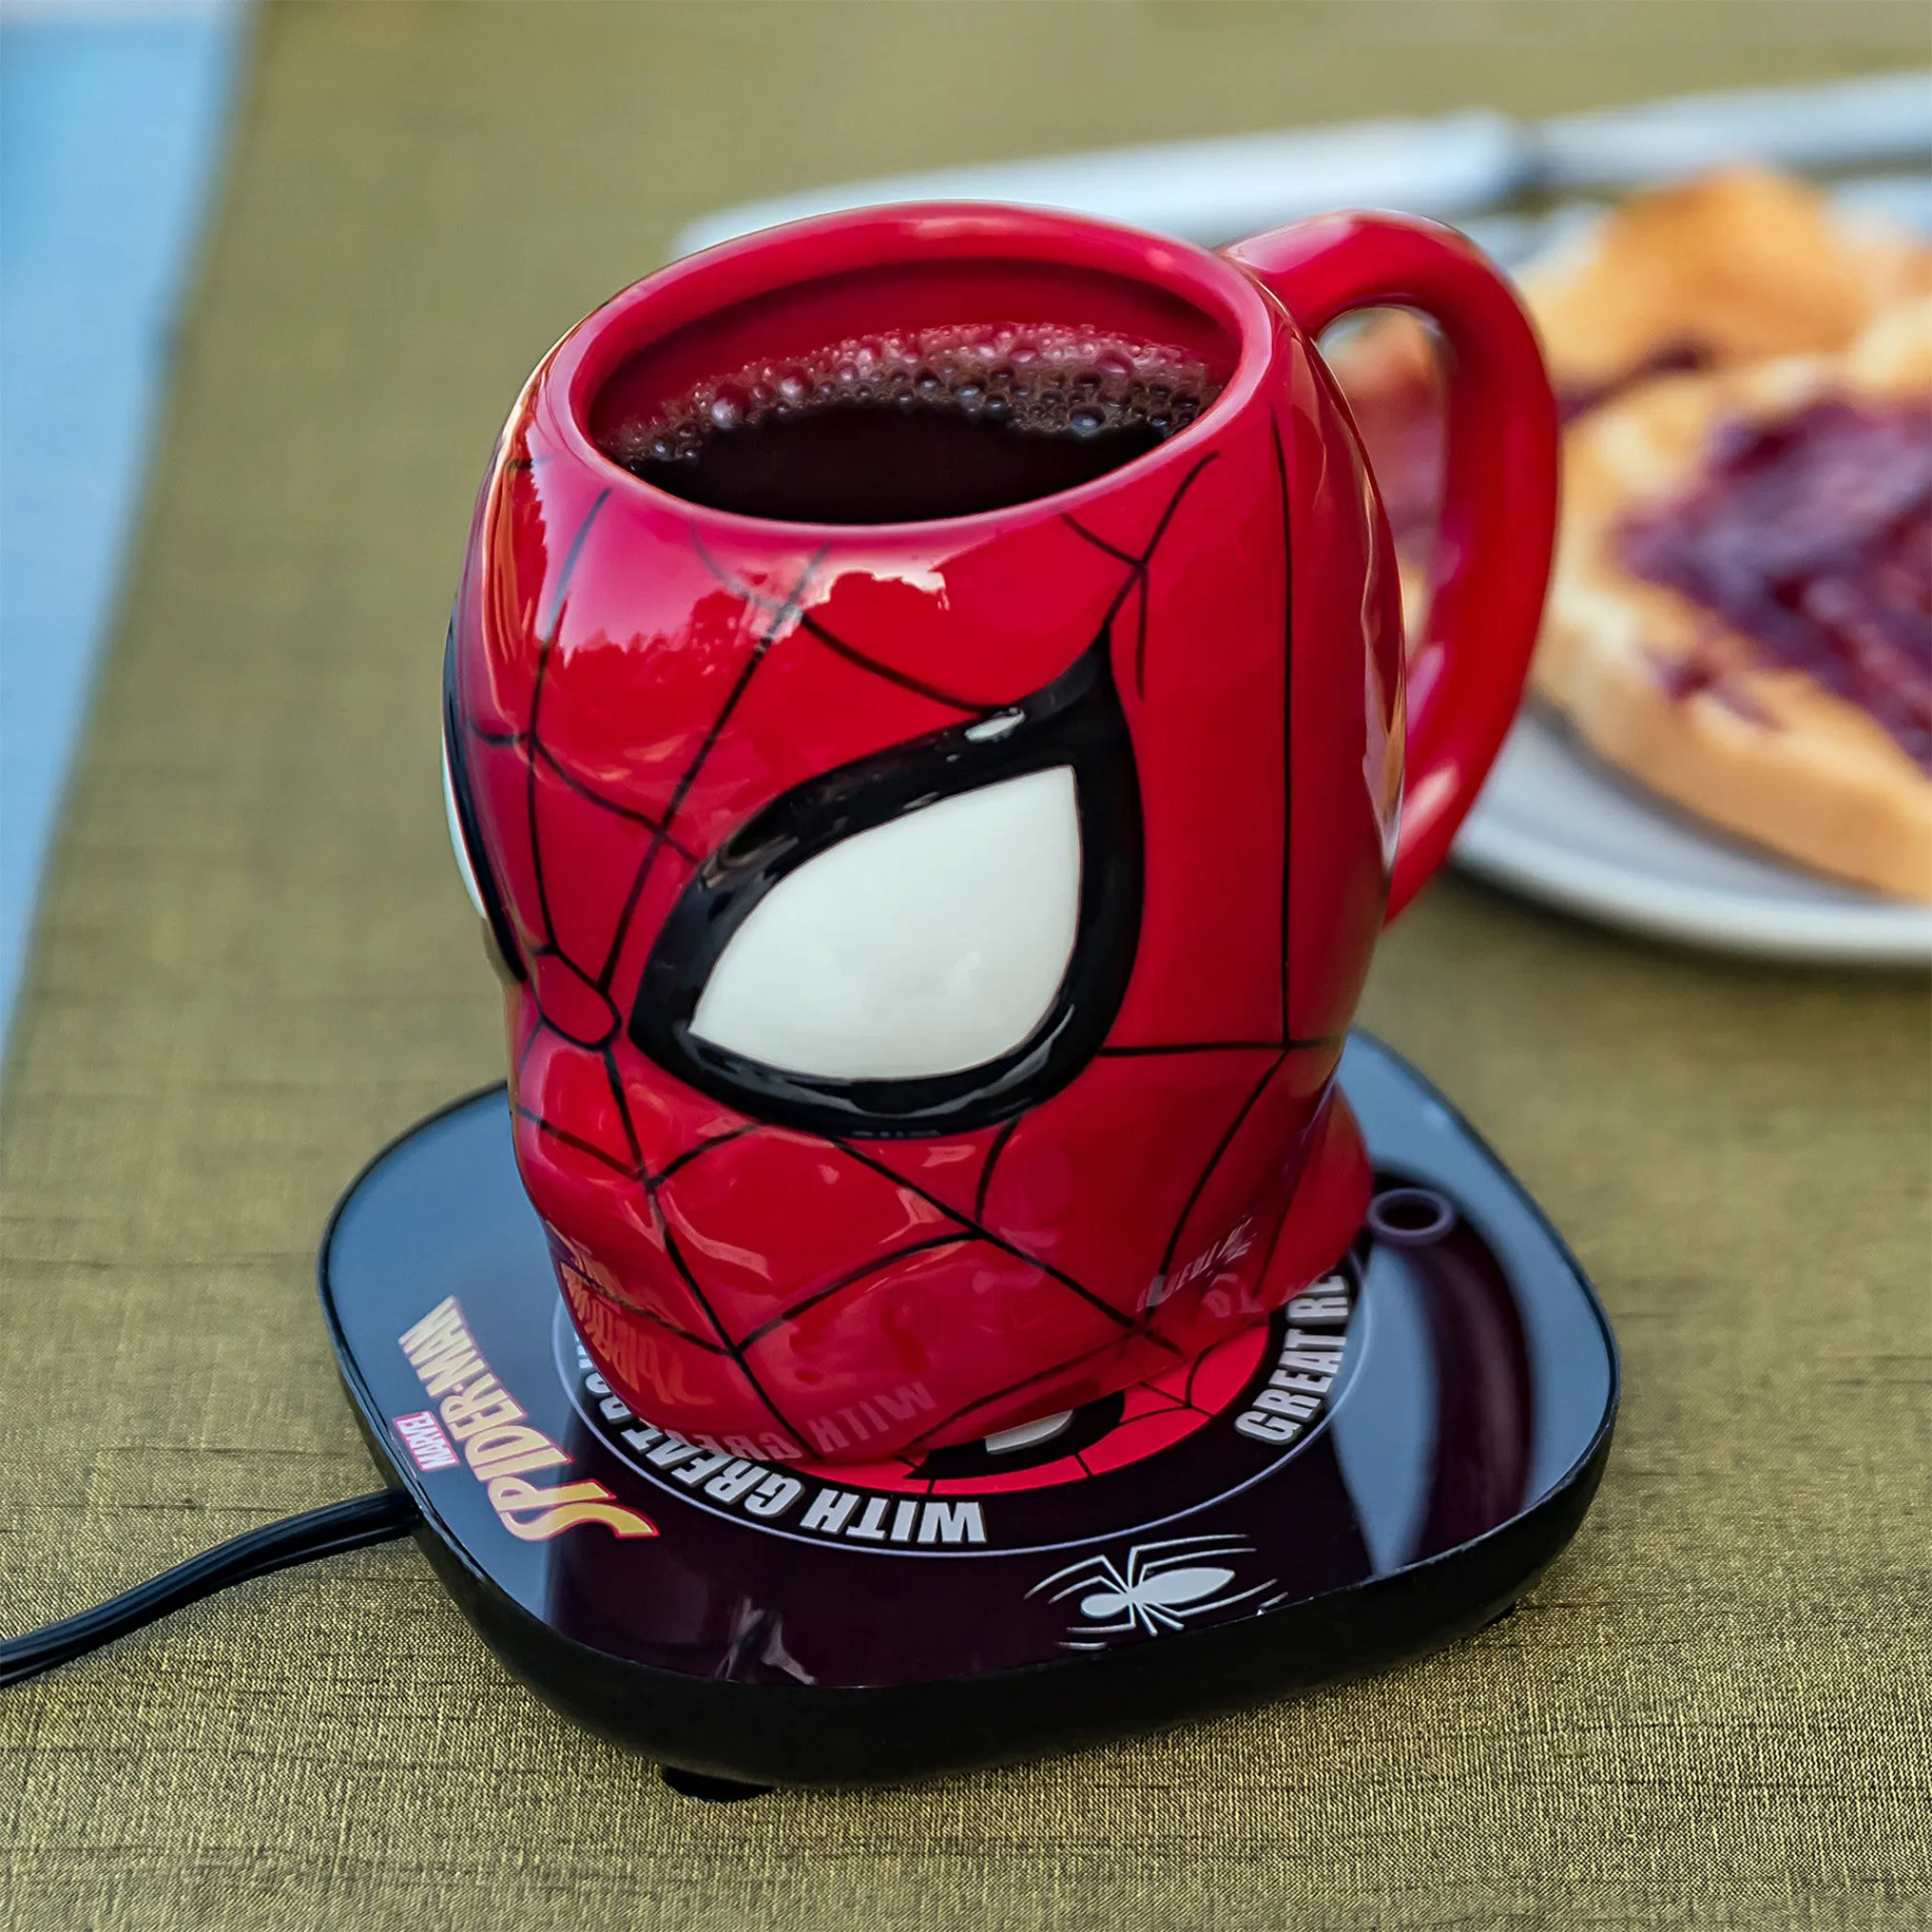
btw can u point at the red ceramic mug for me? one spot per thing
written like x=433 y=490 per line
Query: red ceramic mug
x=929 y=944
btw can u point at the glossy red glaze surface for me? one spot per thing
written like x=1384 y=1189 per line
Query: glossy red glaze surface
x=634 y=677
x=1492 y=553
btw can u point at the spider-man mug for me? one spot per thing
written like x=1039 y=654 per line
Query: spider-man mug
x=929 y=944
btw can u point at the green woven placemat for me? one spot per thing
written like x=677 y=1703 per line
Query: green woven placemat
x=255 y=965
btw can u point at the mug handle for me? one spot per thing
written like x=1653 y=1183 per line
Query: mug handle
x=1492 y=555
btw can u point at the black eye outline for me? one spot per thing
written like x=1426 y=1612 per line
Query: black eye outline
x=1076 y=721
x=494 y=911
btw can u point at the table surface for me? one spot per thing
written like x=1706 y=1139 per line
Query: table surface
x=254 y=966
x=110 y=122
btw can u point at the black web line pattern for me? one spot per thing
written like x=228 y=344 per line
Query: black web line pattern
x=848 y=1279
x=563 y=1135
x=691 y=1153
x=782 y=614
x=979 y=1230
x=732 y=1349
x=1194 y=1369
x=1024 y=1382
x=1164 y=1403
x=615 y=1080
x=920 y=687
x=542 y=753
x=1226 y=1142
x=535 y=1034
x=664 y=1322
x=1138 y=568
x=780 y=620
x=821 y=633
x=989 y=1164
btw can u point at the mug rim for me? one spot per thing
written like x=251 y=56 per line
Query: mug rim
x=770 y=260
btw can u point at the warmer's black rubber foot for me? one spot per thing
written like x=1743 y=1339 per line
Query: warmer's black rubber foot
x=713 y=1790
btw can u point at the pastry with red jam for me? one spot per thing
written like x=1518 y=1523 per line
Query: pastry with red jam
x=1734 y=266
x=1681 y=331
x=1741 y=610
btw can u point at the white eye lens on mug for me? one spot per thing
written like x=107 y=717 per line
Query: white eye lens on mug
x=930 y=944
x=456 y=843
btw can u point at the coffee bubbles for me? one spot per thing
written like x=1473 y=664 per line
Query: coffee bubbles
x=1042 y=380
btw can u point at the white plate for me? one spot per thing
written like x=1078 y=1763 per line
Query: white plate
x=1556 y=826
x=1553 y=824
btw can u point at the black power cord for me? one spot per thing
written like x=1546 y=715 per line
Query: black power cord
x=296 y=1539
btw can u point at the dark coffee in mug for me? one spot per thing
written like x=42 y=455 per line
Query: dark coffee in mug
x=903 y=429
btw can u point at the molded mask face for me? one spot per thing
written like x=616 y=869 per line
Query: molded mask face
x=917 y=1026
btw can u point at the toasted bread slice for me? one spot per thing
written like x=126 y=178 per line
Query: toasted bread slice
x=1734 y=266
x=1660 y=688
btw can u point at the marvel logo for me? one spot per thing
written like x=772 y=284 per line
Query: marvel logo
x=422 y=1437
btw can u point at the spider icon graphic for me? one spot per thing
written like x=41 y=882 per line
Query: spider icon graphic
x=1159 y=1588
